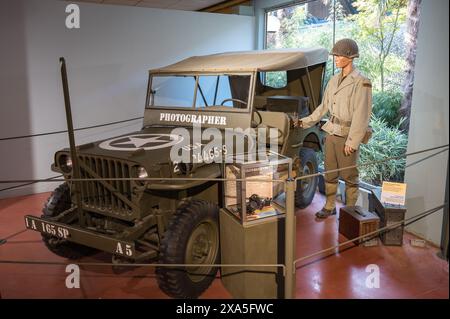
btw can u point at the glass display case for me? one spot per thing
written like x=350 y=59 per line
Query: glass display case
x=262 y=194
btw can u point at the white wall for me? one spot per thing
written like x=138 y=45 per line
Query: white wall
x=429 y=119
x=107 y=60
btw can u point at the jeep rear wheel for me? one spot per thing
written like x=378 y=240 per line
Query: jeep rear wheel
x=57 y=203
x=306 y=188
x=192 y=237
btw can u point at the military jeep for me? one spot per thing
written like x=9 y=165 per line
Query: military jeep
x=124 y=210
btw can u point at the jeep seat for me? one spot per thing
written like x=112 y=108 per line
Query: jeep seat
x=278 y=120
x=289 y=104
x=260 y=102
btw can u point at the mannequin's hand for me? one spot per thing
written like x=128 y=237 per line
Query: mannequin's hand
x=348 y=150
x=298 y=123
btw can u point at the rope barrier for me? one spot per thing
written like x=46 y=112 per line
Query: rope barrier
x=65 y=131
x=26 y=184
x=225 y=179
x=5 y=240
x=424 y=159
x=405 y=222
x=60 y=263
x=363 y=237
x=374 y=233
x=373 y=162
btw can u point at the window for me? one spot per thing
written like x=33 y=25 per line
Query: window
x=174 y=91
x=379 y=29
x=300 y=26
x=277 y=79
x=231 y=91
x=223 y=90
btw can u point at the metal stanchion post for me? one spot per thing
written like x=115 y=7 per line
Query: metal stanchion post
x=444 y=235
x=290 y=239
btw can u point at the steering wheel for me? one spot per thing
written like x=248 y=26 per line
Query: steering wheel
x=234 y=100
x=255 y=123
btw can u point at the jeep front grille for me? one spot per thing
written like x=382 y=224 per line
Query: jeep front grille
x=111 y=197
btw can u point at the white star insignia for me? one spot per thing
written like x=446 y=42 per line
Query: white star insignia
x=139 y=142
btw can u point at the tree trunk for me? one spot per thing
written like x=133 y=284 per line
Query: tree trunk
x=412 y=30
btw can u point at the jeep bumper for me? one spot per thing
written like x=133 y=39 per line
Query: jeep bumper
x=81 y=236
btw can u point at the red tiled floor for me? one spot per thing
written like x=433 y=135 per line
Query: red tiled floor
x=405 y=272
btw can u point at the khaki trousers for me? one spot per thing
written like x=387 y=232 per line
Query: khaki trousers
x=334 y=159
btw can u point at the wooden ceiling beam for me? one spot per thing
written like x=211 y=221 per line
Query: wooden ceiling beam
x=223 y=5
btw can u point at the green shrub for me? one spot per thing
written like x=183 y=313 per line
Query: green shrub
x=386 y=141
x=386 y=106
x=277 y=79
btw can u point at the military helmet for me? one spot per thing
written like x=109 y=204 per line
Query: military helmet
x=346 y=47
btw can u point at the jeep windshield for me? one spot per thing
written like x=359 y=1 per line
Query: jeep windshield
x=203 y=92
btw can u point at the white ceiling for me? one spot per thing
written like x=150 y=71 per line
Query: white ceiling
x=188 y=5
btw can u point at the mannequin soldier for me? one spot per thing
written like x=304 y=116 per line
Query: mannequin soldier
x=348 y=101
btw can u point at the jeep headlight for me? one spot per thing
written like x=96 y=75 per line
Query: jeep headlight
x=141 y=172
x=65 y=163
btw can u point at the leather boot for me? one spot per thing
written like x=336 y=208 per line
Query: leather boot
x=351 y=195
x=330 y=193
x=330 y=204
x=324 y=213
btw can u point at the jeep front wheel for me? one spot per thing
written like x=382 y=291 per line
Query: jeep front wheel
x=192 y=237
x=306 y=188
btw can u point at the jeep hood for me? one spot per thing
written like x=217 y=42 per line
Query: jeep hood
x=151 y=145
x=150 y=148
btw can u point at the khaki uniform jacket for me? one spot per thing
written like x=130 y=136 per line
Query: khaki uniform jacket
x=350 y=102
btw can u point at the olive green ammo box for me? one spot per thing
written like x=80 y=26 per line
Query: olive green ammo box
x=259 y=242
x=389 y=214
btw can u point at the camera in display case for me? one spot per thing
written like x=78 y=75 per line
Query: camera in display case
x=262 y=194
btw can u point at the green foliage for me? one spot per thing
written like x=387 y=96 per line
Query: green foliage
x=378 y=28
x=385 y=142
x=370 y=64
x=277 y=79
x=386 y=106
x=337 y=14
x=377 y=25
x=297 y=32
x=379 y=20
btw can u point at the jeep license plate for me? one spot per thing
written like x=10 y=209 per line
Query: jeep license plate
x=47 y=228
x=81 y=236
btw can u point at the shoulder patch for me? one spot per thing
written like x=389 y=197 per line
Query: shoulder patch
x=366 y=83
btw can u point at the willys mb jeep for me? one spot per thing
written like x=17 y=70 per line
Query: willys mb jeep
x=115 y=206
